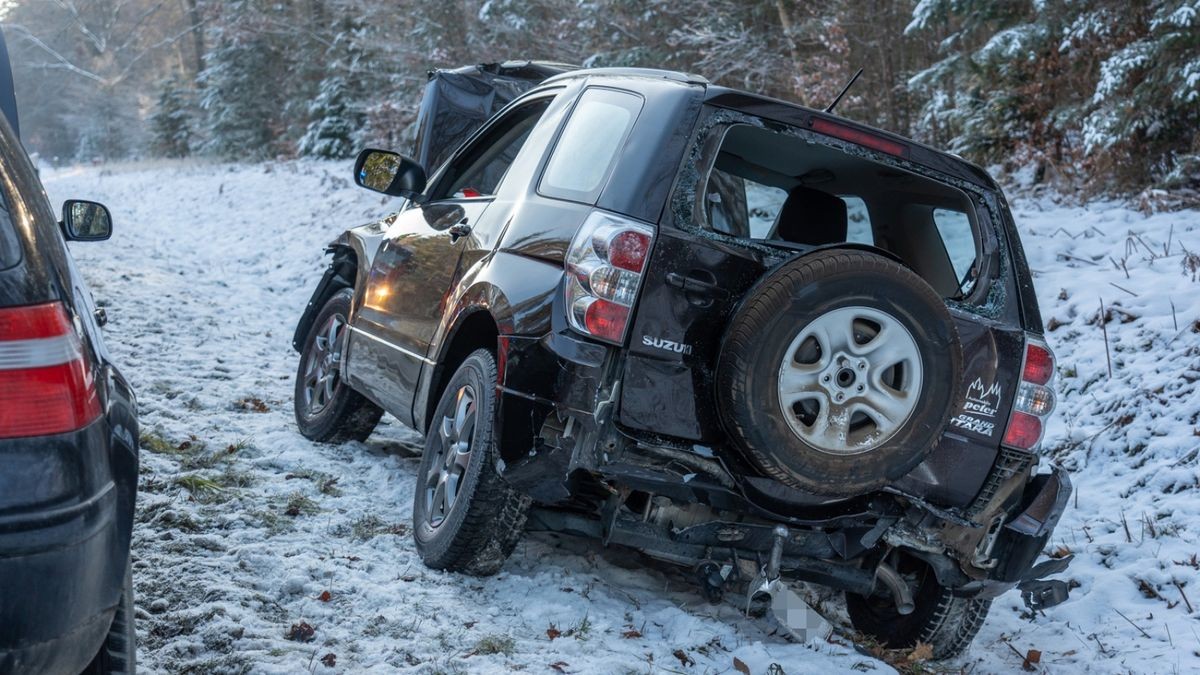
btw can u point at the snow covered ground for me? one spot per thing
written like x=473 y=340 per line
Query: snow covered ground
x=248 y=534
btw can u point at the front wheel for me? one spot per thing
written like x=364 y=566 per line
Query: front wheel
x=946 y=623
x=465 y=517
x=327 y=409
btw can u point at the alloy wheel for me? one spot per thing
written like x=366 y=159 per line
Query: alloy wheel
x=447 y=470
x=323 y=364
x=849 y=380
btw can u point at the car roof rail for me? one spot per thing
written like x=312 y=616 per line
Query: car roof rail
x=673 y=75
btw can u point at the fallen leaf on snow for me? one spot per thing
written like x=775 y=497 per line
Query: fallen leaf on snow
x=1032 y=658
x=553 y=632
x=300 y=632
x=684 y=659
x=921 y=652
x=325 y=596
x=330 y=660
x=740 y=666
x=560 y=666
x=631 y=634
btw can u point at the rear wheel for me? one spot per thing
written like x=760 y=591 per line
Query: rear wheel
x=465 y=517
x=946 y=623
x=327 y=409
x=839 y=372
x=118 y=654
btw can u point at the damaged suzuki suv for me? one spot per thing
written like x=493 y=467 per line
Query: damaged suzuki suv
x=739 y=335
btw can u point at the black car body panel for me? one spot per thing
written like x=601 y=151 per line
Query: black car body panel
x=66 y=500
x=586 y=423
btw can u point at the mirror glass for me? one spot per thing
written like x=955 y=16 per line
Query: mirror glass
x=390 y=173
x=87 y=221
x=379 y=169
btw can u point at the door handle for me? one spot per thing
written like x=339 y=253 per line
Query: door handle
x=695 y=284
x=462 y=229
x=101 y=317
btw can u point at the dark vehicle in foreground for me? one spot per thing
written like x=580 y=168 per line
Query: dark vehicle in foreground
x=739 y=335
x=68 y=444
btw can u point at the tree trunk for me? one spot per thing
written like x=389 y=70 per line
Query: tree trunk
x=193 y=17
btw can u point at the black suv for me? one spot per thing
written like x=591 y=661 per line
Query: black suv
x=739 y=335
x=68 y=444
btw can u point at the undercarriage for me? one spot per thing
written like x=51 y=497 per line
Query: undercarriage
x=672 y=510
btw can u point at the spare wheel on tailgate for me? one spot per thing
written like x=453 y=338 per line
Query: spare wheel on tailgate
x=839 y=372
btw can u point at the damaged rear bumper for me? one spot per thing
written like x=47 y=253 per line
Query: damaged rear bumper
x=1020 y=541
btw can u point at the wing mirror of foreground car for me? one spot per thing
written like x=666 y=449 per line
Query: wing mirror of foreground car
x=86 y=221
x=390 y=173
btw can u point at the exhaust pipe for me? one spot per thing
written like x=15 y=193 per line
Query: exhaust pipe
x=901 y=594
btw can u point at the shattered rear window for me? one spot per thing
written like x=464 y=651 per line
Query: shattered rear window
x=761 y=181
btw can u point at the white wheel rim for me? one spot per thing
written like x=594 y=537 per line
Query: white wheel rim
x=850 y=380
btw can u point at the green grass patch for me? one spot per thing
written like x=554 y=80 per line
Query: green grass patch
x=300 y=505
x=495 y=644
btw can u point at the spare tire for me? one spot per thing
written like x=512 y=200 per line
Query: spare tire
x=839 y=372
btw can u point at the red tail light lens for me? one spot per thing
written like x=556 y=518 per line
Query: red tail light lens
x=1039 y=364
x=628 y=249
x=1034 y=400
x=604 y=265
x=33 y=322
x=606 y=320
x=46 y=387
x=1024 y=430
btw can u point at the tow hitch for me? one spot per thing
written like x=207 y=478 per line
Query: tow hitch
x=791 y=611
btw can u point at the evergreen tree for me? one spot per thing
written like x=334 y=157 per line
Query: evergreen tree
x=239 y=98
x=1145 y=116
x=333 y=123
x=171 y=122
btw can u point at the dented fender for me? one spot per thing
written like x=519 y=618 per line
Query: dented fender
x=353 y=251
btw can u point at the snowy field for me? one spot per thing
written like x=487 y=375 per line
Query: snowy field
x=257 y=551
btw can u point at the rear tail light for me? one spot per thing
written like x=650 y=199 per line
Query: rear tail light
x=46 y=387
x=604 y=273
x=1034 y=400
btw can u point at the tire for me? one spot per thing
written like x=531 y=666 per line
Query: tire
x=480 y=520
x=846 y=315
x=946 y=623
x=331 y=412
x=118 y=654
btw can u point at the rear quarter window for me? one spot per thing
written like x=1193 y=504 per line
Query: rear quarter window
x=589 y=145
x=958 y=238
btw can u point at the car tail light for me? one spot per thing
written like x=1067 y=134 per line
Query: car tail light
x=46 y=386
x=1034 y=400
x=604 y=273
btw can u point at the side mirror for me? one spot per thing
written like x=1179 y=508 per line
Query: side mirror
x=86 y=221
x=389 y=173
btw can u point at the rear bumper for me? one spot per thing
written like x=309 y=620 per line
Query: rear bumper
x=65 y=524
x=1021 y=541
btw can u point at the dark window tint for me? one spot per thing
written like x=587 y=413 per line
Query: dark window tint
x=10 y=246
x=590 y=142
x=479 y=171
